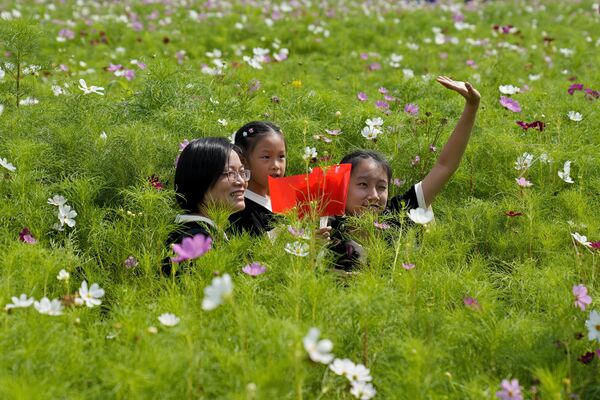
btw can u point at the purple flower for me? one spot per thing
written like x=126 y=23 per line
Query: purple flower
x=183 y=145
x=587 y=357
x=471 y=63
x=582 y=299
x=574 y=87
x=254 y=86
x=382 y=90
x=471 y=303
x=398 y=182
x=180 y=55
x=334 y=132
x=432 y=148
x=141 y=65
x=362 y=96
x=129 y=74
x=25 y=236
x=387 y=97
x=254 y=269
x=411 y=109
x=66 y=34
x=364 y=56
x=64 y=68
x=408 y=266
x=130 y=262
x=114 y=67
x=416 y=160
x=539 y=125
x=510 y=390
x=374 y=67
x=510 y=104
x=191 y=248
x=382 y=105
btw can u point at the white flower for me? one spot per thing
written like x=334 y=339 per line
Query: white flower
x=220 y=289
x=420 y=215
x=524 y=162
x=370 y=132
x=4 y=162
x=222 y=122
x=253 y=62
x=567 y=52
x=309 y=153
x=66 y=215
x=92 y=89
x=20 y=302
x=45 y=306
x=91 y=296
x=581 y=239
x=297 y=249
x=216 y=53
x=63 y=275
x=363 y=390
x=574 y=116
x=565 y=174
x=353 y=372
x=374 y=123
x=57 y=90
x=103 y=135
x=509 y=89
x=168 y=319
x=1 y=109
x=57 y=200
x=408 y=73
x=545 y=158
x=535 y=77
x=28 y=101
x=318 y=350
x=593 y=325
x=341 y=366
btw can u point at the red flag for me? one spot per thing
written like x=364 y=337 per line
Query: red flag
x=327 y=190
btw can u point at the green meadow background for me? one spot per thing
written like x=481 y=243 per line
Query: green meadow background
x=410 y=327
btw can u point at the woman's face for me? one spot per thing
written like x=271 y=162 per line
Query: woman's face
x=225 y=192
x=368 y=188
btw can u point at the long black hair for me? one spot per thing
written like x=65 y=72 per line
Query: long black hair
x=199 y=167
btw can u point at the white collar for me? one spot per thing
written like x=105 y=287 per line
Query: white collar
x=257 y=198
x=183 y=218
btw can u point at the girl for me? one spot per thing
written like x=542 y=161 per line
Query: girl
x=209 y=174
x=264 y=151
x=372 y=174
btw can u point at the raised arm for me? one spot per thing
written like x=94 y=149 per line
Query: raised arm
x=454 y=149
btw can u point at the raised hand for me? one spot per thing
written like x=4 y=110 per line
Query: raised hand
x=465 y=89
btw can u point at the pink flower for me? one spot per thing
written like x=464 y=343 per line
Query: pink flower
x=191 y=248
x=595 y=245
x=254 y=86
x=381 y=225
x=114 y=67
x=382 y=105
x=374 y=67
x=141 y=65
x=574 y=87
x=411 y=109
x=382 y=90
x=254 y=269
x=129 y=74
x=64 y=68
x=362 y=96
x=471 y=303
x=510 y=390
x=66 y=33
x=416 y=160
x=364 y=56
x=582 y=299
x=130 y=262
x=471 y=64
x=387 y=97
x=334 y=132
x=523 y=182
x=408 y=266
x=510 y=104
x=25 y=236
x=398 y=182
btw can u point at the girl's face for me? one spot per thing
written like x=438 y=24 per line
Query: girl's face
x=266 y=159
x=226 y=192
x=368 y=188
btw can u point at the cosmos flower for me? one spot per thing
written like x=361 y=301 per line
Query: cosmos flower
x=168 y=319
x=191 y=248
x=63 y=275
x=523 y=182
x=581 y=239
x=574 y=116
x=362 y=96
x=318 y=350
x=411 y=109
x=220 y=289
x=565 y=173
x=26 y=236
x=510 y=104
x=91 y=297
x=510 y=390
x=509 y=89
x=582 y=299
x=92 y=89
x=593 y=325
x=254 y=269
x=298 y=249
x=45 y=306
x=420 y=215
x=4 y=162
x=19 y=302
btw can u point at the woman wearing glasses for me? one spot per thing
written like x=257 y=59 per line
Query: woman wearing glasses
x=209 y=174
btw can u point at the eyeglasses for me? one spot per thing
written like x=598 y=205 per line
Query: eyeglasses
x=232 y=176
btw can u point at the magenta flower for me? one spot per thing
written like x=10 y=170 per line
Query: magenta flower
x=25 y=236
x=114 y=67
x=510 y=390
x=156 y=183
x=539 y=125
x=595 y=245
x=592 y=94
x=587 y=357
x=191 y=248
x=523 y=182
x=471 y=302
x=411 y=109
x=362 y=96
x=374 y=67
x=510 y=104
x=408 y=266
x=574 y=87
x=254 y=269
x=582 y=299
x=382 y=105
x=471 y=63
x=129 y=74
x=387 y=97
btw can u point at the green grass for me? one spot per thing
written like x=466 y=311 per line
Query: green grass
x=410 y=328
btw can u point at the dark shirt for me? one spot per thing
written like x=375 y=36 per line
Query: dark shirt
x=186 y=229
x=254 y=219
x=347 y=251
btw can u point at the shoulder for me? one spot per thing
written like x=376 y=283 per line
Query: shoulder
x=188 y=229
x=412 y=198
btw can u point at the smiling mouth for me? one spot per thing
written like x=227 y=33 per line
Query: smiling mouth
x=237 y=193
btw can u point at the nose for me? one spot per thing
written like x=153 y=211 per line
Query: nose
x=373 y=195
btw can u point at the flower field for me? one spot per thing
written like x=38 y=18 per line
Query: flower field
x=496 y=298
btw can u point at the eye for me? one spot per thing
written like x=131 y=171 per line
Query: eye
x=382 y=188
x=362 y=184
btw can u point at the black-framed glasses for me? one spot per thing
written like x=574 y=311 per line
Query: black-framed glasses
x=232 y=176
